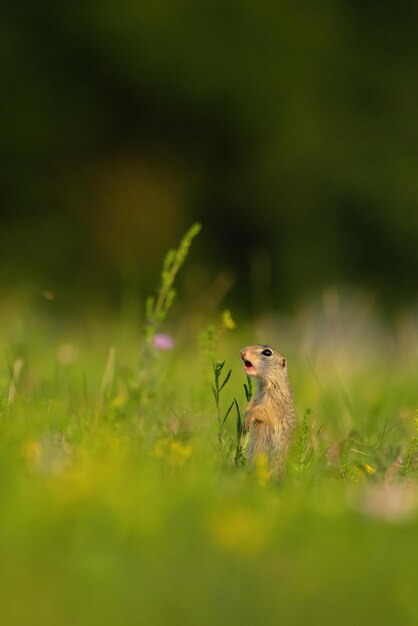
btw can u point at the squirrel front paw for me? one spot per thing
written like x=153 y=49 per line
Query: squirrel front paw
x=246 y=426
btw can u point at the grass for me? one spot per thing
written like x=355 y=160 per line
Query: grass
x=122 y=501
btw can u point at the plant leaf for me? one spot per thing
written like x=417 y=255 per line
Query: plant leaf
x=228 y=412
x=228 y=376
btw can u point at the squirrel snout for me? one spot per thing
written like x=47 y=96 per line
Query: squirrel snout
x=243 y=354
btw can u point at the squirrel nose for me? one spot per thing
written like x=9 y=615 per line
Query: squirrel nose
x=243 y=353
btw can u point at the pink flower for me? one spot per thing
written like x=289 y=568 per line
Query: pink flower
x=162 y=341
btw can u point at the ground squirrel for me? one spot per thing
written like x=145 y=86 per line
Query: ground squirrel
x=270 y=416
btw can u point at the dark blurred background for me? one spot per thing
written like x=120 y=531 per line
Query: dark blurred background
x=289 y=129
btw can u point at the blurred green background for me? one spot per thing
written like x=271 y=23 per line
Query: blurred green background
x=289 y=129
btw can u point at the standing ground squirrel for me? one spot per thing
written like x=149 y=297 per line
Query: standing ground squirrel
x=270 y=416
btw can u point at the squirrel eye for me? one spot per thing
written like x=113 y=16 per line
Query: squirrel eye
x=267 y=352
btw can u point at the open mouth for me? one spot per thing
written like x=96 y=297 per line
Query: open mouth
x=248 y=367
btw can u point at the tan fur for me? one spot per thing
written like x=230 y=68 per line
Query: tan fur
x=270 y=416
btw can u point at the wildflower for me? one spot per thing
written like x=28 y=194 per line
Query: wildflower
x=227 y=320
x=175 y=453
x=262 y=469
x=31 y=453
x=121 y=397
x=162 y=341
x=180 y=453
x=160 y=448
x=369 y=469
x=49 y=455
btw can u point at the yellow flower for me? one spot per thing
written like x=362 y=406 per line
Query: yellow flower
x=175 y=453
x=31 y=453
x=227 y=320
x=262 y=469
x=160 y=448
x=180 y=453
x=121 y=397
x=369 y=469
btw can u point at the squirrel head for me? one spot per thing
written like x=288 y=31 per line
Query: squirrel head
x=264 y=362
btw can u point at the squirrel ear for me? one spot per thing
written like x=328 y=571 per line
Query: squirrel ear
x=283 y=362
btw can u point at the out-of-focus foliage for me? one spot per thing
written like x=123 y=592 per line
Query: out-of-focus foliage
x=119 y=507
x=289 y=130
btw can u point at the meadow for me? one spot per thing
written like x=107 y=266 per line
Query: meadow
x=125 y=498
